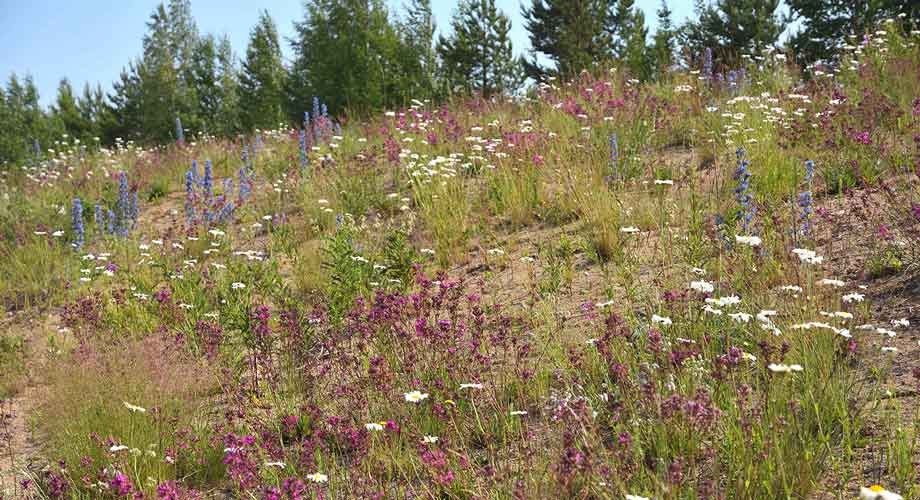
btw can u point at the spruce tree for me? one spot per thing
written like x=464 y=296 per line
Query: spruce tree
x=478 y=54
x=263 y=77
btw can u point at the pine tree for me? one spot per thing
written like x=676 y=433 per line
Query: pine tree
x=159 y=80
x=578 y=34
x=125 y=105
x=263 y=78
x=419 y=51
x=636 y=55
x=68 y=115
x=160 y=85
x=93 y=110
x=478 y=55
x=732 y=28
x=228 y=113
x=825 y=24
x=622 y=26
x=24 y=122
x=10 y=146
x=203 y=82
x=663 y=44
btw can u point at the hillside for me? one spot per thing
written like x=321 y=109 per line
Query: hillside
x=704 y=287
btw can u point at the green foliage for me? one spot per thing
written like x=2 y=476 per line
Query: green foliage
x=349 y=272
x=574 y=34
x=559 y=268
x=477 y=56
x=34 y=272
x=12 y=362
x=732 y=28
x=25 y=124
x=636 y=56
x=263 y=78
x=385 y=68
x=825 y=25
x=664 y=40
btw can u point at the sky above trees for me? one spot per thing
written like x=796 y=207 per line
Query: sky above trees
x=92 y=41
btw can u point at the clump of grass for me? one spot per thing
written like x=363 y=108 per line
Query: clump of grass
x=445 y=212
x=36 y=272
x=133 y=408
x=514 y=192
x=12 y=363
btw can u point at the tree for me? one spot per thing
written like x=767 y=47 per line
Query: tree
x=95 y=112
x=125 y=105
x=263 y=77
x=478 y=54
x=635 y=54
x=227 y=119
x=825 y=24
x=663 y=44
x=384 y=69
x=160 y=85
x=574 y=34
x=25 y=124
x=67 y=113
x=734 y=27
x=203 y=80
x=159 y=80
x=419 y=53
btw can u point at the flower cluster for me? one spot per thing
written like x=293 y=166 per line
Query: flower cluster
x=202 y=206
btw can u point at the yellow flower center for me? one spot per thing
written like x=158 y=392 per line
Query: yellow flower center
x=876 y=488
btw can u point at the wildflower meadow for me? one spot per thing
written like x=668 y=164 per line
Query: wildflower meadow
x=693 y=287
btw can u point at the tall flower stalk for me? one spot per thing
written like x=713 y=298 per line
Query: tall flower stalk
x=99 y=219
x=123 y=206
x=614 y=157
x=303 y=150
x=245 y=186
x=743 y=191
x=805 y=199
x=707 y=64
x=190 y=196
x=77 y=220
x=180 y=133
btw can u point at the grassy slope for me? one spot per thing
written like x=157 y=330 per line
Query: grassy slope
x=562 y=311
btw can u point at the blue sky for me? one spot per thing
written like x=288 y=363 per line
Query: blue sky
x=90 y=41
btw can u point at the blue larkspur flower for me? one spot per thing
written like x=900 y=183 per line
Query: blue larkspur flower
x=743 y=191
x=76 y=214
x=123 y=206
x=180 y=133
